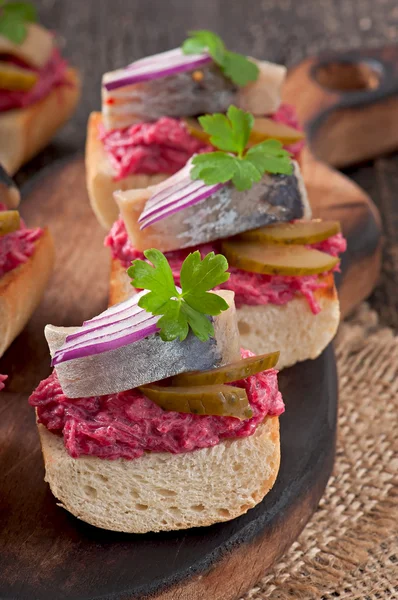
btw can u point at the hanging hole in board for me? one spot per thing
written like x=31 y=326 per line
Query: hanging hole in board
x=345 y=76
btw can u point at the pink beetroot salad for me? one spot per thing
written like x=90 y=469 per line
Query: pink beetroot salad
x=17 y=247
x=249 y=288
x=160 y=147
x=127 y=424
x=52 y=75
x=165 y=146
x=2 y=381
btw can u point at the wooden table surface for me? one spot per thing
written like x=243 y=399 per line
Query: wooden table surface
x=99 y=35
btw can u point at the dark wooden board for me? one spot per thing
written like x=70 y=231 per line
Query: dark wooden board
x=47 y=554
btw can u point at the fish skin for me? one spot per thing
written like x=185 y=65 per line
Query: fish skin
x=225 y=213
x=173 y=96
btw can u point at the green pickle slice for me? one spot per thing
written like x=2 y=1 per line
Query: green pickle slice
x=228 y=373
x=9 y=221
x=300 y=232
x=276 y=259
x=221 y=400
x=14 y=78
x=263 y=129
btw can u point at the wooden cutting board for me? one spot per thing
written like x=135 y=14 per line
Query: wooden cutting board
x=45 y=553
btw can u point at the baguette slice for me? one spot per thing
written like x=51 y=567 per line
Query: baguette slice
x=22 y=288
x=291 y=328
x=164 y=491
x=100 y=176
x=26 y=131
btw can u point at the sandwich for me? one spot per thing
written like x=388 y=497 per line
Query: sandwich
x=26 y=261
x=249 y=203
x=147 y=129
x=154 y=418
x=38 y=90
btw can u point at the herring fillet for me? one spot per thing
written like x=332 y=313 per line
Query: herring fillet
x=225 y=213
x=172 y=96
x=181 y=95
x=147 y=360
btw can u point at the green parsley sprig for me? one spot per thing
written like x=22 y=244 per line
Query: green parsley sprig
x=14 y=17
x=190 y=308
x=244 y=167
x=235 y=66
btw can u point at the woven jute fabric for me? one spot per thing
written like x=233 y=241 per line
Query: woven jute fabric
x=349 y=549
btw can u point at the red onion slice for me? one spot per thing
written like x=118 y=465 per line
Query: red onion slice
x=116 y=327
x=187 y=192
x=155 y=67
x=174 y=194
x=63 y=355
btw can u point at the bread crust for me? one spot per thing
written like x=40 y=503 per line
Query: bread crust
x=26 y=131
x=22 y=288
x=291 y=328
x=164 y=491
x=100 y=176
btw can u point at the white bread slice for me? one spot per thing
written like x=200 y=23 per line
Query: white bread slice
x=26 y=131
x=100 y=176
x=291 y=328
x=22 y=288
x=164 y=491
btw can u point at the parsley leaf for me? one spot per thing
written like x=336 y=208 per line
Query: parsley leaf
x=201 y=40
x=189 y=308
x=243 y=167
x=213 y=167
x=239 y=69
x=230 y=134
x=235 y=66
x=13 y=19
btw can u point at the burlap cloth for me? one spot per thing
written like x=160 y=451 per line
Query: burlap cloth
x=349 y=549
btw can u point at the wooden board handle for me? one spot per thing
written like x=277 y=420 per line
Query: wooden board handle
x=348 y=103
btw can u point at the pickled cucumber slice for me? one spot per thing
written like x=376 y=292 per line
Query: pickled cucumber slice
x=263 y=129
x=9 y=221
x=300 y=232
x=228 y=373
x=221 y=400
x=277 y=259
x=15 y=78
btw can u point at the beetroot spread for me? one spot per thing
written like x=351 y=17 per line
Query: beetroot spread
x=287 y=114
x=52 y=75
x=160 y=147
x=127 y=424
x=166 y=145
x=2 y=380
x=249 y=288
x=17 y=247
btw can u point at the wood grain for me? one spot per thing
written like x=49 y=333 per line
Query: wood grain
x=348 y=103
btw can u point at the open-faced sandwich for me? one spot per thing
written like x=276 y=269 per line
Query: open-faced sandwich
x=38 y=91
x=154 y=418
x=26 y=260
x=250 y=204
x=147 y=132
